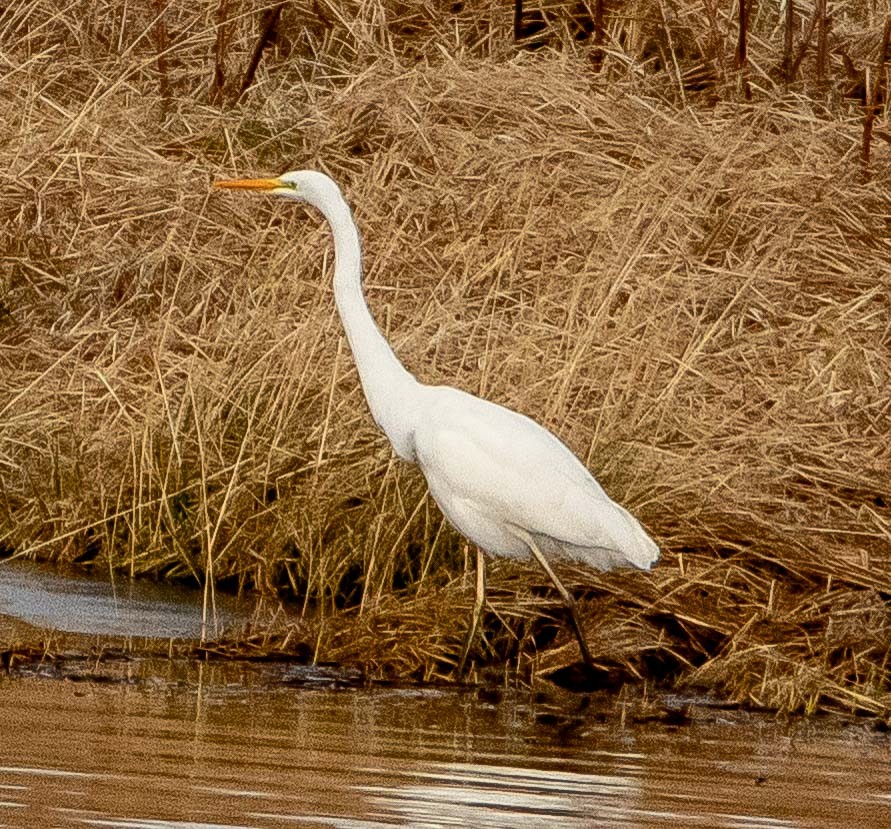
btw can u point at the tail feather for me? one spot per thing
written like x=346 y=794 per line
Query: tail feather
x=635 y=542
x=620 y=542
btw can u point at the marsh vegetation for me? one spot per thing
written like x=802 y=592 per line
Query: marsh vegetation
x=675 y=259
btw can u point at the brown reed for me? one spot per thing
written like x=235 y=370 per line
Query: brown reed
x=691 y=291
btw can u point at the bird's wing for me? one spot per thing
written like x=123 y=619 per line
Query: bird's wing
x=516 y=472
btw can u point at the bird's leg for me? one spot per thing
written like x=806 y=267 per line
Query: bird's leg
x=567 y=599
x=477 y=612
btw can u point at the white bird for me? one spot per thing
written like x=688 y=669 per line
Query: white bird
x=504 y=481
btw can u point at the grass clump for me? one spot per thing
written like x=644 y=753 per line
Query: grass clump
x=687 y=282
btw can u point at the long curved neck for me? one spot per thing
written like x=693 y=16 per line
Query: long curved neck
x=389 y=388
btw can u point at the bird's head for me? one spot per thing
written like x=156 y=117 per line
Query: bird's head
x=307 y=186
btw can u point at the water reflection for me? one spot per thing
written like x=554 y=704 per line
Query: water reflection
x=219 y=750
x=463 y=794
x=76 y=604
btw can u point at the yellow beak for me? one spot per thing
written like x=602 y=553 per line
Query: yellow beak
x=249 y=184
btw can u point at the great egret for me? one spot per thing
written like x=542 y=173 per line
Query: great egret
x=505 y=482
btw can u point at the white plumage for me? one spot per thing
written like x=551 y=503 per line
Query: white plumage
x=504 y=481
x=492 y=471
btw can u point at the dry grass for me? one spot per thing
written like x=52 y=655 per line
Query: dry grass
x=691 y=290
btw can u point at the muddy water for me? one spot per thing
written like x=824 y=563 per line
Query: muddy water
x=146 y=744
x=201 y=747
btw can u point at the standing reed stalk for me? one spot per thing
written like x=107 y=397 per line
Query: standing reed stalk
x=715 y=40
x=268 y=22
x=824 y=22
x=788 y=41
x=805 y=41
x=873 y=94
x=742 y=48
x=221 y=42
x=161 y=47
x=599 y=35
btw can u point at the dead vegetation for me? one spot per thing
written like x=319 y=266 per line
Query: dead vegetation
x=690 y=288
